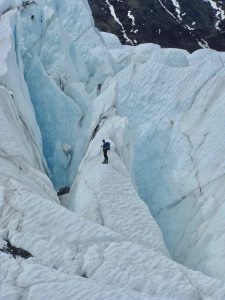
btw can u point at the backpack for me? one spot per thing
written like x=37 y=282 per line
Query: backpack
x=107 y=146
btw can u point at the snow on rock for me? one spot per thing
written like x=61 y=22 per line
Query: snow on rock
x=204 y=44
x=123 y=30
x=178 y=9
x=168 y=11
x=220 y=14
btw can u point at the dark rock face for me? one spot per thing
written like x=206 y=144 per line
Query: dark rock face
x=186 y=24
x=14 y=251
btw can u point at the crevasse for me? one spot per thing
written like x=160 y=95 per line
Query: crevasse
x=162 y=111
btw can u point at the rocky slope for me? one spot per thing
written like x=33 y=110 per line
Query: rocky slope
x=182 y=24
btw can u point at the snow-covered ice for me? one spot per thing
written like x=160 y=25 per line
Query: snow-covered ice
x=176 y=125
x=63 y=88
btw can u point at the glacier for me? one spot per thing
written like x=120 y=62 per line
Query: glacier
x=64 y=86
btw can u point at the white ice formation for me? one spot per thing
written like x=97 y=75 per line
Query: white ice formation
x=63 y=88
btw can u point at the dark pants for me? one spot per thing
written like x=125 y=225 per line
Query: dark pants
x=105 y=156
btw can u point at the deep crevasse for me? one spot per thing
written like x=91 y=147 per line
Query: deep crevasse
x=109 y=247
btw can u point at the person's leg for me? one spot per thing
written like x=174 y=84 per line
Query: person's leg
x=106 y=156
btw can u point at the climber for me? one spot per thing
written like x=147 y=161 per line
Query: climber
x=105 y=148
x=99 y=86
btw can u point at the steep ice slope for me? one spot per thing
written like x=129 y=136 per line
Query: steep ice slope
x=96 y=187
x=62 y=78
x=22 y=136
x=175 y=106
x=104 y=194
x=110 y=247
x=67 y=250
x=31 y=217
x=77 y=258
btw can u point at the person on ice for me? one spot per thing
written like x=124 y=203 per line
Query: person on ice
x=105 y=148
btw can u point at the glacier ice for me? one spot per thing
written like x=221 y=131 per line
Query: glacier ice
x=61 y=67
x=63 y=88
x=176 y=125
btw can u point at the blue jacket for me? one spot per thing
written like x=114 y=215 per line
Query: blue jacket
x=106 y=146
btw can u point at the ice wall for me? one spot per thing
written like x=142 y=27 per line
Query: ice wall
x=162 y=112
x=175 y=106
x=105 y=195
x=23 y=138
x=65 y=64
x=70 y=255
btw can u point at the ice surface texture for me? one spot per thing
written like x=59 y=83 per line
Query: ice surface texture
x=176 y=120
x=81 y=86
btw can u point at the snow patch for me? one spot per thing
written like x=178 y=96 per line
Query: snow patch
x=129 y=14
x=204 y=44
x=220 y=14
x=177 y=8
x=161 y=3
x=113 y=13
x=188 y=27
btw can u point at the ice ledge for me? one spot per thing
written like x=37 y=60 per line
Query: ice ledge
x=106 y=195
